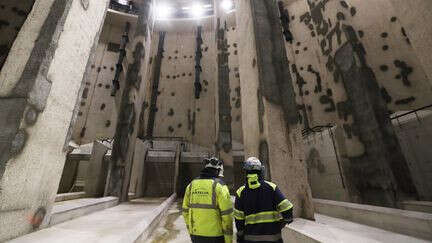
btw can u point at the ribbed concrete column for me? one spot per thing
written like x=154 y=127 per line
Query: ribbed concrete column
x=40 y=83
x=130 y=108
x=223 y=101
x=271 y=124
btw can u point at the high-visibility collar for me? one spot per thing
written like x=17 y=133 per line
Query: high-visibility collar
x=253 y=181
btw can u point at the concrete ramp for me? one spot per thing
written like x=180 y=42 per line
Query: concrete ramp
x=71 y=209
x=406 y=222
x=126 y=223
x=172 y=229
x=329 y=230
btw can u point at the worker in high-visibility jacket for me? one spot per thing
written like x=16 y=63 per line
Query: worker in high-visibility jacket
x=207 y=206
x=261 y=211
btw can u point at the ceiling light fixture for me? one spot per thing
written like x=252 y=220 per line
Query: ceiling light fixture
x=162 y=11
x=123 y=2
x=227 y=5
x=197 y=10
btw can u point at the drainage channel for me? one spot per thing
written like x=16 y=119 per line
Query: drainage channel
x=172 y=228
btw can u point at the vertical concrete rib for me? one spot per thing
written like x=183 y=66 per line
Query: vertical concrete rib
x=155 y=84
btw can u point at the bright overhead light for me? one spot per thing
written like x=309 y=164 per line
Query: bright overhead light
x=227 y=5
x=162 y=11
x=123 y=2
x=197 y=10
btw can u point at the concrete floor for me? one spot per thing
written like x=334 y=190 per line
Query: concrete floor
x=172 y=229
x=125 y=222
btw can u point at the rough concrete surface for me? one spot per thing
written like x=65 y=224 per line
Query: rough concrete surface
x=178 y=113
x=137 y=176
x=411 y=223
x=317 y=27
x=279 y=128
x=123 y=223
x=97 y=171
x=31 y=178
x=328 y=230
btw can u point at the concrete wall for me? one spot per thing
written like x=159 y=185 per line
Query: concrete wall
x=97 y=116
x=69 y=175
x=414 y=134
x=322 y=95
x=13 y=15
x=412 y=15
x=380 y=33
x=137 y=176
x=179 y=114
x=324 y=173
x=234 y=78
x=97 y=170
x=42 y=77
x=375 y=19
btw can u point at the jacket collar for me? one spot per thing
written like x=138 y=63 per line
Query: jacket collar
x=208 y=173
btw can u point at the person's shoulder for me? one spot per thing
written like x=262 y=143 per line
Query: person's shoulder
x=271 y=184
x=221 y=186
x=220 y=181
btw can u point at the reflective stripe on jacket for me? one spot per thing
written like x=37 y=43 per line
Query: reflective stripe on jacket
x=207 y=209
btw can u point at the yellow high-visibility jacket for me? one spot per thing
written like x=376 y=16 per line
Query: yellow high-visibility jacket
x=207 y=209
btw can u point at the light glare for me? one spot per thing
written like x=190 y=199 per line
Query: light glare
x=163 y=11
x=123 y=2
x=227 y=5
x=197 y=10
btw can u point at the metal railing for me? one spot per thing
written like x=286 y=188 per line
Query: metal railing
x=411 y=112
x=309 y=130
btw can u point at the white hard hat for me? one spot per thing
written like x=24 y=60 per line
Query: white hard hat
x=253 y=163
x=214 y=163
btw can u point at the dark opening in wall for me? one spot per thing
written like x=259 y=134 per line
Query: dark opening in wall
x=13 y=14
x=113 y=47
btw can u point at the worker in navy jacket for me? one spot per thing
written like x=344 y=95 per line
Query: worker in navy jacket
x=261 y=210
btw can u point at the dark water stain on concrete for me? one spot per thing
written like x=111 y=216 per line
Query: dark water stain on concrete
x=171 y=232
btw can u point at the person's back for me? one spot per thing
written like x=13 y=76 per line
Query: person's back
x=207 y=208
x=261 y=210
